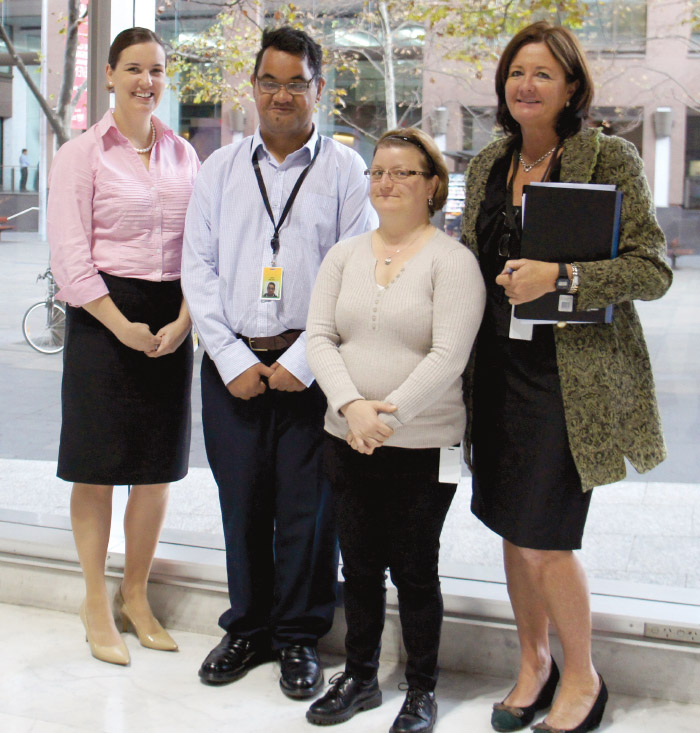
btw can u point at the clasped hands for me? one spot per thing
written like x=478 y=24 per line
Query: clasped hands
x=249 y=384
x=367 y=431
x=525 y=280
x=138 y=336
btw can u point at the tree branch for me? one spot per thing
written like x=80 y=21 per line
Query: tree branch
x=66 y=92
x=51 y=116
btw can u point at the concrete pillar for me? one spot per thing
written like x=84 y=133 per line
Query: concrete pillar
x=107 y=18
x=662 y=159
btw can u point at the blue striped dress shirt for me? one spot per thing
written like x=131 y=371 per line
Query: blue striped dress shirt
x=227 y=244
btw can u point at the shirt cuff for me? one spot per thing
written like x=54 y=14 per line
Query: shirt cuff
x=294 y=361
x=84 y=291
x=389 y=419
x=232 y=361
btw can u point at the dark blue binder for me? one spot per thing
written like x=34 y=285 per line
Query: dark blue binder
x=568 y=222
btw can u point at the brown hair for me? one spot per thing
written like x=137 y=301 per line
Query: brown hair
x=130 y=37
x=415 y=138
x=565 y=48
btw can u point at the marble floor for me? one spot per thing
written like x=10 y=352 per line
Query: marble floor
x=49 y=683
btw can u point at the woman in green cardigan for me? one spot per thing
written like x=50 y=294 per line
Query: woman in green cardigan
x=554 y=416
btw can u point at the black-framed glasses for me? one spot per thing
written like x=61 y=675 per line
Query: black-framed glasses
x=396 y=175
x=291 y=87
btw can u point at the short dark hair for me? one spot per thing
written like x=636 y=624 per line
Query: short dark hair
x=412 y=137
x=566 y=49
x=293 y=41
x=130 y=37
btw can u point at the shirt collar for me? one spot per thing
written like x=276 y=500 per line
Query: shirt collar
x=258 y=142
x=107 y=123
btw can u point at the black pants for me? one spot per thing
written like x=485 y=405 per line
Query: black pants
x=390 y=510
x=23 y=173
x=281 y=548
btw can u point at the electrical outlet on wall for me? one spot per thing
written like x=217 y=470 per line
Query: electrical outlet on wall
x=687 y=634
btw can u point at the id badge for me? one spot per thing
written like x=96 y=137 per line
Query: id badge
x=521 y=330
x=271 y=283
x=450 y=470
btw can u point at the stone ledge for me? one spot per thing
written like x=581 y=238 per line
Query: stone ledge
x=479 y=635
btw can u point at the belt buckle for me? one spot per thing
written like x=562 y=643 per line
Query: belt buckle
x=251 y=343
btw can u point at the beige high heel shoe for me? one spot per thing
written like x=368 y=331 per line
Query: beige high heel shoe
x=117 y=654
x=161 y=640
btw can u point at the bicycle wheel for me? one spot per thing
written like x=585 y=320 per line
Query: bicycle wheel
x=44 y=327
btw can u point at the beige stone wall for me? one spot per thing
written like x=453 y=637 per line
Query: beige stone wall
x=667 y=75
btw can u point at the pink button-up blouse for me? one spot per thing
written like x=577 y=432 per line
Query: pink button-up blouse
x=107 y=212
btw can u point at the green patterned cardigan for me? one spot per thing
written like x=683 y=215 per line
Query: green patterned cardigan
x=604 y=369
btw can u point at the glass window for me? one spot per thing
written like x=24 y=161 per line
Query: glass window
x=618 y=26
x=200 y=123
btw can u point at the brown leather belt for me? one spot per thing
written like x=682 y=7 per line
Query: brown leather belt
x=271 y=343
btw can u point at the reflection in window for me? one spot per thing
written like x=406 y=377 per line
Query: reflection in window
x=478 y=127
x=627 y=122
x=618 y=26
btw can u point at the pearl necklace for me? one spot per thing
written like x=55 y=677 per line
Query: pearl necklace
x=387 y=260
x=527 y=167
x=150 y=145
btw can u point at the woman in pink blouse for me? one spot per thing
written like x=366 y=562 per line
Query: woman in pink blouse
x=116 y=213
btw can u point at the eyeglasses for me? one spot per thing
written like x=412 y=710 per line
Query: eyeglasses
x=291 y=87
x=396 y=175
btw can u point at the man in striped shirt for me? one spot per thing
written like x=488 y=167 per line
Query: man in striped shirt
x=268 y=209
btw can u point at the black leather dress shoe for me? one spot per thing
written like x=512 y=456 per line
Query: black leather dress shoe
x=418 y=713
x=231 y=658
x=301 y=676
x=348 y=695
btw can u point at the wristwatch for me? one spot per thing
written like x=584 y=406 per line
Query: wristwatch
x=563 y=283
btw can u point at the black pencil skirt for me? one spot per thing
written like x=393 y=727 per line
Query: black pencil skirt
x=126 y=418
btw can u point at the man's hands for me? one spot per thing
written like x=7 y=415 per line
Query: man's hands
x=250 y=383
x=367 y=431
x=284 y=380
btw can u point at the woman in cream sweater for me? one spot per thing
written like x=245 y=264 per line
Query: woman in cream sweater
x=391 y=324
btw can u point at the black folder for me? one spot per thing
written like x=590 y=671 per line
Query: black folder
x=568 y=222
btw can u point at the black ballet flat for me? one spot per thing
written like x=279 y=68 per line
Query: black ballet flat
x=508 y=717
x=590 y=722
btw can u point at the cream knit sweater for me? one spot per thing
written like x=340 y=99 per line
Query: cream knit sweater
x=407 y=343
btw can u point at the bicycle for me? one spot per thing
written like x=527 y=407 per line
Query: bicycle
x=44 y=324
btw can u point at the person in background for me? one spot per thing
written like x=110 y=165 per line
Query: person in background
x=556 y=415
x=116 y=214
x=23 y=169
x=391 y=323
x=268 y=209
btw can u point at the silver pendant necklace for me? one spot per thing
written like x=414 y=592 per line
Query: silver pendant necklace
x=527 y=167
x=387 y=260
x=150 y=145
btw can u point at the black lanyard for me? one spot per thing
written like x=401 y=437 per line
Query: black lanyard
x=275 y=241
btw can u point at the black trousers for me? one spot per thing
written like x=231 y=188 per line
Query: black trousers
x=281 y=548
x=390 y=510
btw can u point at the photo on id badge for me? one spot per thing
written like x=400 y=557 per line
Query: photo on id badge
x=271 y=283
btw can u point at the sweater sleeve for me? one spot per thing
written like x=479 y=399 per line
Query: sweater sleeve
x=459 y=296
x=322 y=337
x=640 y=270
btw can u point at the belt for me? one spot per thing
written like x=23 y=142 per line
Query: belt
x=271 y=343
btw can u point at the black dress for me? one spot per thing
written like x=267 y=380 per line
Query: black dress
x=525 y=484
x=125 y=416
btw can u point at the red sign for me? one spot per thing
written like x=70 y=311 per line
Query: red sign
x=79 y=119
